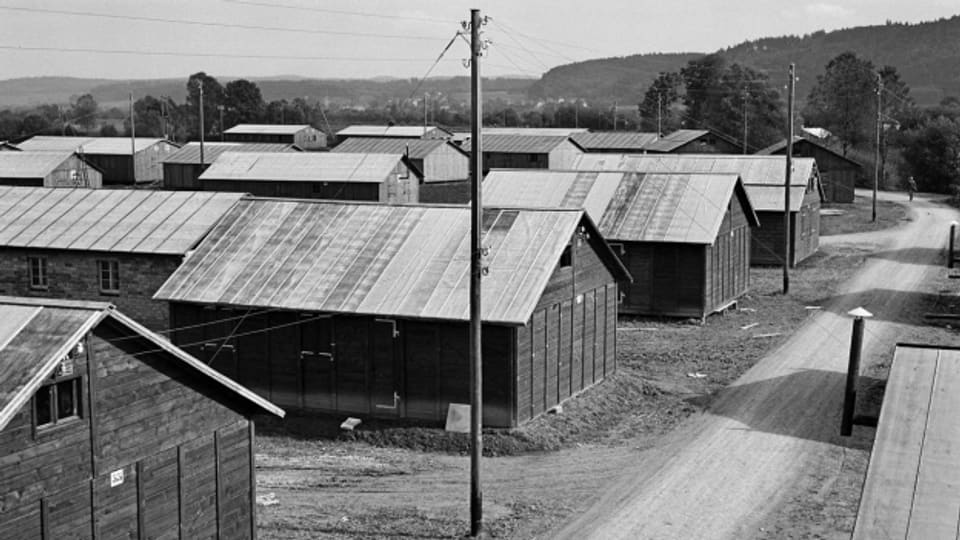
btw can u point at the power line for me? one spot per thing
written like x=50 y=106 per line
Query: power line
x=556 y=42
x=28 y=48
x=435 y=62
x=392 y=16
x=213 y=24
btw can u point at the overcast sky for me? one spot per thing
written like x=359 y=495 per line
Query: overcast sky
x=340 y=39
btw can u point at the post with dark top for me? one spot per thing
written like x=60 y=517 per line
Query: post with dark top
x=476 y=254
x=853 y=371
x=950 y=244
x=200 y=83
x=786 y=184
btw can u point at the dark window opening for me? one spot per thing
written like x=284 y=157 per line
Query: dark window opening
x=533 y=158
x=38 y=273
x=109 y=274
x=58 y=400
x=566 y=259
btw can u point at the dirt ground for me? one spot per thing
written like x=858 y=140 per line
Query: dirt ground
x=412 y=481
x=843 y=218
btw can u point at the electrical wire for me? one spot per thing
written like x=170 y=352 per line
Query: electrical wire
x=74 y=13
x=391 y=16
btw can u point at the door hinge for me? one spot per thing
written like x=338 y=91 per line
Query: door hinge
x=396 y=403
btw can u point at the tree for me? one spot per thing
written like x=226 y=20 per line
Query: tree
x=844 y=100
x=662 y=104
x=746 y=96
x=931 y=154
x=213 y=97
x=148 y=113
x=243 y=101
x=108 y=130
x=83 y=111
x=701 y=79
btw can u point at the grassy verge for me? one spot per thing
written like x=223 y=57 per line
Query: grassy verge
x=844 y=218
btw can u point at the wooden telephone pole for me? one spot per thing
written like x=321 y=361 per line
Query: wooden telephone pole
x=133 y=144
x=786 y=184
x=876 y=163
x=200 y=84
x=476 y=272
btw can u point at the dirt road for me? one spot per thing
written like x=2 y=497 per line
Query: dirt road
x=722 y=471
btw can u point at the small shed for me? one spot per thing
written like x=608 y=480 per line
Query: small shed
x=528 y=152
x=182 y=169
x=122 y=161
x=763 y=177
x=685 y=238
x=362 y=309
x=393 y=132
x=304 y=136
x=101 y=244
x=621 y=142
x=838 y=174
x=109 y=431
x=910 y=490
x=315 y=175
x=694 y=141
x=48 y=169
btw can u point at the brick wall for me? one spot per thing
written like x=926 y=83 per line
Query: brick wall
x=74 y=275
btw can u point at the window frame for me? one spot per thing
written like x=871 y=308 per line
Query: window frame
x=39 y=277
x=52 y=385
x=112 y=269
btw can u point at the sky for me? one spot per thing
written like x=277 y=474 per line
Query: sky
x=376 y=38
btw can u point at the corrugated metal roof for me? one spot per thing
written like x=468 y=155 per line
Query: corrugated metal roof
x=650 y=207
x=626 y=141
x=124 y=221
x=753 y=170
x=414 y=132
x=391 y=261
x=30 y=164
x=268 y=129
x=36 y=333
x=672 y=141
x=303 y=167
x=190 y=152
x=418 y=148
x=522 y=144
x=777 y=148
x=542 y=132
x=90 y=145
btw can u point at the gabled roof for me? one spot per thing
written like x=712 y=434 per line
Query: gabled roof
x=111 y=220
x=763 y=176
x=303 y=167
x=543 y=132
x=625 y=141
x=523 y=144
x=268 y=129
x=36 y=333
x=374 y=259
x=31 y=164
x=418 y=148
x=190 y=152
x=411 y=132
x=672 y=141
x=781 y=146
x=90 y=145
x=649 y=207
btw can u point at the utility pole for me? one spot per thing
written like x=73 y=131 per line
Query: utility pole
x=424 y=113
x=786 y=184
x=614 y=115
x=576 y=114
x=200 y=84
x=133 y=144
x=163 y=116
x=220 y=108
x=659 y=115
x=476 y=272
x=63 y=121
x=745 y=95
x=876 y=164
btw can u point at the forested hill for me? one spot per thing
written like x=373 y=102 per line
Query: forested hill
x=927 y=56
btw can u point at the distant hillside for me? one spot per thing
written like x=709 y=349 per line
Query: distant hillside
x=40 y=90
x=927 y=55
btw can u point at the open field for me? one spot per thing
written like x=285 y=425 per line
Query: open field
x=397 y=481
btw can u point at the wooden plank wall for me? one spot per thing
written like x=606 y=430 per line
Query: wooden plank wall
x=344 y=191
x=668 y=279
x=728 y=260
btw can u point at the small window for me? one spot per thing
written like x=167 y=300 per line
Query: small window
x=38 y=273
x=533 y=158
x=566 y=259
x=109 y=276
x=60 y=397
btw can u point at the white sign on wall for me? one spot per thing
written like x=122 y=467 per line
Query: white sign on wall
x=116 y=478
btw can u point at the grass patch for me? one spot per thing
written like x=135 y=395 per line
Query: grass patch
x=847 y=218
